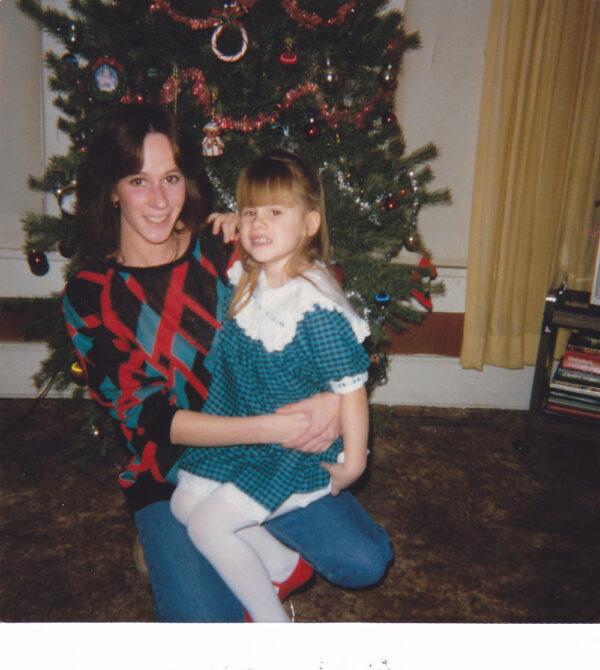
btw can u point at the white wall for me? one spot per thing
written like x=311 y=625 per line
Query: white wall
x=20 y=123
x=437 y=101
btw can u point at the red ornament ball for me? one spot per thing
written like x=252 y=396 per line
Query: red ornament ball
x=67 y=248
x=389 y=118
x=311 y=131
x=38 y=263
x=390 y=202
x=288 y=59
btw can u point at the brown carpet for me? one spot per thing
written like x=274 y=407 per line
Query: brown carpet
x=481 y=533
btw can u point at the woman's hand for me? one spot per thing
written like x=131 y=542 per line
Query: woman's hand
x=227 y=223
x=325 y=422
x=286 y=427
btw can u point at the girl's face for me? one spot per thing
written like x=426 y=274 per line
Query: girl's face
x=271 y=234
x=150 y=202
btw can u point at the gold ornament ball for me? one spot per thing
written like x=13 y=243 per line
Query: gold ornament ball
x=96 y=431
x=412 y=241
x=387 y=77
x=77 y=374
x=330 y=78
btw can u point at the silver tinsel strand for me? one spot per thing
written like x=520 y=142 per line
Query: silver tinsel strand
x=225 y=195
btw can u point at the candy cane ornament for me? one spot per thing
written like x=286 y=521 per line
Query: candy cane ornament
x=229 y=58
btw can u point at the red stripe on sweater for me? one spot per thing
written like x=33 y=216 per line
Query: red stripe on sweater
x=94 y=277
x=170 y=321
x=147 y=462
x=207 y=265
x=134 y=286
x=201 y=312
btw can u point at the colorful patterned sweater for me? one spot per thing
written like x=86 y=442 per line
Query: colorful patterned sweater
x=141 y=335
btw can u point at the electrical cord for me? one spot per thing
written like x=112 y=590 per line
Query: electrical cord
x=30 y=409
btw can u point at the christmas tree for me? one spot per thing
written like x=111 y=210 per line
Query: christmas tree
x=314 y=77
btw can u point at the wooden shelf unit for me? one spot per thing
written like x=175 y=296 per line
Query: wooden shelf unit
x=563 y=309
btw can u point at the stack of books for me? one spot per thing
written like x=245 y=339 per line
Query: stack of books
x=575 y=386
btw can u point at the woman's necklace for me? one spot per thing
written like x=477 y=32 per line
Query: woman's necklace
x=124 y=259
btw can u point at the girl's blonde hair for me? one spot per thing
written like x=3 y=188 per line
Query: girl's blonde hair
x=281 y=177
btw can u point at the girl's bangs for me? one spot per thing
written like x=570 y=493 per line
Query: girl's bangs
x=276 y=189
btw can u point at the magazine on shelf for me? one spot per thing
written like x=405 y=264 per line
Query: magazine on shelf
x=572 y=411
x=572 y=387
x=582 y=402
x=580 y=360
x=584 y=343
x=577 y=376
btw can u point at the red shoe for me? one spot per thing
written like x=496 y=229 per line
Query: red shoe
x=300 y=575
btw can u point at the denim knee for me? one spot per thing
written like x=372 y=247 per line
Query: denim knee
x=366 y=564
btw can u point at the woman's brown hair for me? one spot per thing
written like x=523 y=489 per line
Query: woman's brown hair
x=280 y=177
x=116 y=152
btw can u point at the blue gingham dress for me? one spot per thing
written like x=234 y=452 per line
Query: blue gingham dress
x=287 y=344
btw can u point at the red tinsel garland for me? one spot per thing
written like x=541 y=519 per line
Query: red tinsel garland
x=305 y=19
x=172 y=87
x=332 y=116
x=219 y=17
x=310 y=20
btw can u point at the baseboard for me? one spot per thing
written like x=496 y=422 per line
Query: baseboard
x=440 y=381
x=19 y=361
x=436 y=381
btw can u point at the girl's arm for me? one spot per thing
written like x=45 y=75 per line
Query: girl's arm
x=226 y=223
x=195 y=429
x=355 y=430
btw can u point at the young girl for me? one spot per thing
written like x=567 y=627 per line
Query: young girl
x=291 y=333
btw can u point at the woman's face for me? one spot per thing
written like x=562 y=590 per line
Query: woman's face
x=150 y=202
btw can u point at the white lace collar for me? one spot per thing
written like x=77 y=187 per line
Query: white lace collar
x=272 y=314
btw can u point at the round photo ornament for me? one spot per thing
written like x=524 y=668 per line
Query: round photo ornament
x=107 y=78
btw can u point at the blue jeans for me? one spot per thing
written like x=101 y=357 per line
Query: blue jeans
x=334 y=534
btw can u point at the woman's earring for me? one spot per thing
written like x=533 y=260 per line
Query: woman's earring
x=115 y=204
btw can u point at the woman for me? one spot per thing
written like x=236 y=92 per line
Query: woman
x=142 y=315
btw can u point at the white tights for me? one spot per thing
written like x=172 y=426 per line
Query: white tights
x=246 y=556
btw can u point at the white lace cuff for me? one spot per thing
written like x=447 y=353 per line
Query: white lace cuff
x=349 y=384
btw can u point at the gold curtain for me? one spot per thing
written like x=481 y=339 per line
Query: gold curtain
x=537 y=173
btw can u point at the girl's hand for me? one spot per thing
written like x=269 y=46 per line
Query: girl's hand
x=342 y=475
x=324 y=411
x=227 y=223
